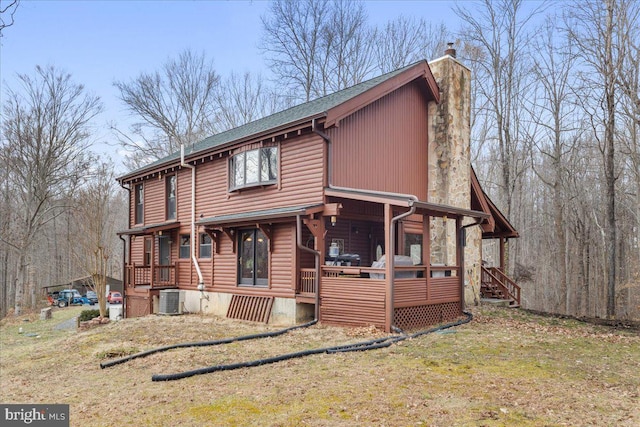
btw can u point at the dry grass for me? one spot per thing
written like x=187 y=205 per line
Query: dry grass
x=505 y=368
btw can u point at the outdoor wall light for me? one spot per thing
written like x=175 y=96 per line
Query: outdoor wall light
x=334 y=219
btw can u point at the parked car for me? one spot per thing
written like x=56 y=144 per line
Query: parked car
x=114 y=297
x=70 y=297
x=92 y=297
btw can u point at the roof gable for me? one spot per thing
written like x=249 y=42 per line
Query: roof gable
x=333 y=107
x=497 y=225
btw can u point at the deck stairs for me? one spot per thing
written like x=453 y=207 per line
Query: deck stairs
x=498 y=286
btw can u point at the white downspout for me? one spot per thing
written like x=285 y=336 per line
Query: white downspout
x=193 y=219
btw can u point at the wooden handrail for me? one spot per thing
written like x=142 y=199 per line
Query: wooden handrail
x=512 y=288
x=496 y=277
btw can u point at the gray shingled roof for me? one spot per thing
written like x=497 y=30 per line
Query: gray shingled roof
x=281 y=118
x=255 y=215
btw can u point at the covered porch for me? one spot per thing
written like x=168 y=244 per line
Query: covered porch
x=356 y=285
x=156 y=270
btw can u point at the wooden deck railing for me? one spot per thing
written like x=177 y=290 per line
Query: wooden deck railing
x=494 y=278
x=307 y=283
x=164 y=276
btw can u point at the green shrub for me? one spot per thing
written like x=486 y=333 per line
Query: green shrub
x=89 y=314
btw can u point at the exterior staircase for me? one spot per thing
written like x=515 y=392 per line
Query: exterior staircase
x=497 y=285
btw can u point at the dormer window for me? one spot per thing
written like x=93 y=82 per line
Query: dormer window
x=253 y=168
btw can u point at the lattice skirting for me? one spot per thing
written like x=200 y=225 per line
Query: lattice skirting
x=409 y=318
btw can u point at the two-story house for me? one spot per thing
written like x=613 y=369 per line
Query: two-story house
x=357 y=208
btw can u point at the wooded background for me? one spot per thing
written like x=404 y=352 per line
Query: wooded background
x=555 y=137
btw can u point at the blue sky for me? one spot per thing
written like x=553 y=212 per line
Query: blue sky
x=99 y=42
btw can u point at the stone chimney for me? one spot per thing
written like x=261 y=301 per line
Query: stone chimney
x=450 y=133
x=450 y=167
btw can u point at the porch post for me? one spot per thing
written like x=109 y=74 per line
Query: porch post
x=502 y=254
x=426 y=249
x=153 y=261
x=389 y=252
x=460 y=258
x=320 y=245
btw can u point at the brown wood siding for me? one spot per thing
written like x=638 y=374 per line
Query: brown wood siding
x=154 y=201
x=444 y=289
x=384 y=145
x=347 y=301
x=282 y=271
x=301 y=176
x=225 y=266
x=137 y=250
x=183 y=195
x=410 y=292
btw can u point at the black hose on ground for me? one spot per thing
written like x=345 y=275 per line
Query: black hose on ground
x=204 y=344
x=360 y=346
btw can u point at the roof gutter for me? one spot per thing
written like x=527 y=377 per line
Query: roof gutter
x=411 y=200
x=124 y=255
x=194 y=259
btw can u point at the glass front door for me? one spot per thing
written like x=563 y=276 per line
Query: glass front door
x=253 y=258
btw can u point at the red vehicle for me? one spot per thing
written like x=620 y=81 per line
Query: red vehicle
x=114 y=297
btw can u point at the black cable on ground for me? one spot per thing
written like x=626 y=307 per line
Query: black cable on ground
x=204 y=344
x=360 y=346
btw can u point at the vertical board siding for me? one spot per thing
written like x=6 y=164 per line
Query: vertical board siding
x=384 y=146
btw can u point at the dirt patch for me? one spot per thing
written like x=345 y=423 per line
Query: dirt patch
x=506 y=367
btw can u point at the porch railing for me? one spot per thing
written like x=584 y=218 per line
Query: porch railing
x=307 y=283
x=163 y=275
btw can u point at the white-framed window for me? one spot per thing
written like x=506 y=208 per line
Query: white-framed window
x=205 y=245
x=185 y=246
x=139 y=203
x=253 y=167
x=170 y=190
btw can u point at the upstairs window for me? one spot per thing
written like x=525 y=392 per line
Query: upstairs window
x=139 y=203
x=170 y=182
x=185 y=246
x=254 y=167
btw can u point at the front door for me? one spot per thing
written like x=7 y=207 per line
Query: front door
x=164 y=257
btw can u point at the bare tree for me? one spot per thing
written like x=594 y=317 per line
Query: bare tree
x=347 y=45
x=403 y=41
x=245 y=98
x=498 y=32
x=96 y=217
x=318 y=46
x=597 y=33
x=176 y=106
x=553 y=110
x=7 y=13
x=291 y=41
x=45 y=136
